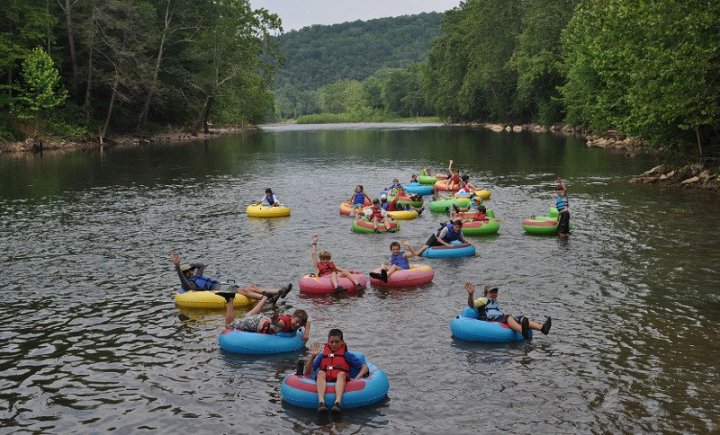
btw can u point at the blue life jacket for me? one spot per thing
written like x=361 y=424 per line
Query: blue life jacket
x=560 y=203
x=400 y=261
x=359 y=198
x=203 y=282
x=270 y=199
x=384 y=205
x=451 y=235
x=490 y=311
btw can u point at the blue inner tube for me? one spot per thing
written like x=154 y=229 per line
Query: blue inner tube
x=419 y=189
x=252 y=343
x=468 y=327
x=301 y=390
x=457 y=249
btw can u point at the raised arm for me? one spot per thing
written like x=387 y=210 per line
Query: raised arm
x=412 y=252
x=306 y=333
x=470 y=288
x=313 y=250
x=314 y=351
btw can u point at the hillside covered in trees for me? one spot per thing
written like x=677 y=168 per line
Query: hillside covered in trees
x=79 y=69
x=341 y=56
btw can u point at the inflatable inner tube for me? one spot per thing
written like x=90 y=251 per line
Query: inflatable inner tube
x=446 y=205
x=468 y=327
x=419 y=189
x=207 y=299
x=346 y=208
x=481 y=228
x=415 y=276
x=456 y=250
x=321 y=285
x=363 y=226
x=267 y=212
x=543 y=225
x=301 y=391
x=403 y=214
x=253 y=343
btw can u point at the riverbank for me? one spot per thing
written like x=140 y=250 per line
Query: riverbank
x=693 y=176
x=41 y=144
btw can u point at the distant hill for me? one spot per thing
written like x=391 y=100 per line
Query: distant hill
x=318 y=55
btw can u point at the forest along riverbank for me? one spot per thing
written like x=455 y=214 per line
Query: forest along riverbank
x=177 y=135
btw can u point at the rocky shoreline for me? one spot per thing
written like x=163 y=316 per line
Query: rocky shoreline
x=693 y=176
x=38 y=145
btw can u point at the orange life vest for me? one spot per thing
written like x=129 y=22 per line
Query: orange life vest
x=332 y=363
x=325 y=269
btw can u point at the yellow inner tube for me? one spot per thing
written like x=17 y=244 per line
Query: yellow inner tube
x=263 y=211
x=208 y=299
x=403 y=214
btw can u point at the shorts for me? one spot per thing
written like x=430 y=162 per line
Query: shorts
x=358 y=205
x=432 y=241
x=504 y=319
x=564 y=224
x=248 y=324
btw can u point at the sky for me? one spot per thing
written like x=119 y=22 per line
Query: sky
x=297 y=14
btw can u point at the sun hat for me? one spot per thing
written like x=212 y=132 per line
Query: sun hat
x=185 y=267
x=490 y=287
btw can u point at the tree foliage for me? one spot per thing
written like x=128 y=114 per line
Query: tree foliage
x=41 y=90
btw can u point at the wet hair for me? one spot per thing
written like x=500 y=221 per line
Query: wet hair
x=394 y=244
x=325 y=254
x=335 y=333
x=302 y=315
x=268 y=190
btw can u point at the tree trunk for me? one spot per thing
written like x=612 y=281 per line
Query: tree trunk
x=142 y=121
x=202 y=116
x=91 y=49
x=110 y=108
x=699 y=143
x=207 y=113
x=67 y=9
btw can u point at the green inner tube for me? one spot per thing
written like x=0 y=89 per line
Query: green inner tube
x=491 y=227
x=427 y=179
x=443 y=205
x=381 y=227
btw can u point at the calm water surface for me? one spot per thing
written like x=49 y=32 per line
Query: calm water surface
x=91 y=340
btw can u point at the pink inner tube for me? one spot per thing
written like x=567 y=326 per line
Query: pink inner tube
x=346 y=208
x=416 y=275
x=317 y=285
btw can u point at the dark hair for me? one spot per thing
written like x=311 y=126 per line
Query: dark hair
x=268 y=190
x=376 y=201
x=360 y=186
x=394 y=244
x=335 y=333
x=482 y=209
x=302 y=315
x=465 y=178
x=457 y=222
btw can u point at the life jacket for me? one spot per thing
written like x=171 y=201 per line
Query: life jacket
x=376 y=213
x=270 y=199
x=400 y=261
x=326 y=269
x=203 y=282
x=561 y=203
x=385 y=205
x=268 y=326
x=392 y=206
x=451 y=235
x=455 y=178
x=334 y=363
x=489 y=311
x=359 y=198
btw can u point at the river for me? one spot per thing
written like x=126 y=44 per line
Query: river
x=91 y=339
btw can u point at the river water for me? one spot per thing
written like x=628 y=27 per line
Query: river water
x=91 y=340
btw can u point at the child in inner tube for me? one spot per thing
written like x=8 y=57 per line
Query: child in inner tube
x=489 y=310
x=269 y=200
x=253 y=321
x=327 y=268
x=333 y=364
x=447 y=234
x=398 y=261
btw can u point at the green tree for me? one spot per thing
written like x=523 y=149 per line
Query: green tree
x=41 y=90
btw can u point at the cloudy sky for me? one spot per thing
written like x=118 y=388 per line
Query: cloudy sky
x=296 y=14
